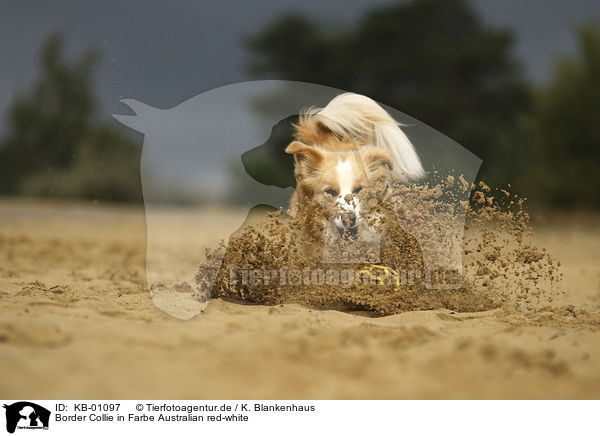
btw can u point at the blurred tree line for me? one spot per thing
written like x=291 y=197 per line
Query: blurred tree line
x=440 y=63
x=565 y=126
x=435 y=60
x=57 y=145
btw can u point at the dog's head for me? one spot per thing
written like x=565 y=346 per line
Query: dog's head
x=345 y=181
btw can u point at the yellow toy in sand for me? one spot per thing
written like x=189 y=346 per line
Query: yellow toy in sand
x=377 y=275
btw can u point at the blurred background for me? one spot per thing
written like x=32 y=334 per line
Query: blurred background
x=515 y=82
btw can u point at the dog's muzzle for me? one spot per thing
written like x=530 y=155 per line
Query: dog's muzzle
x=348 y=228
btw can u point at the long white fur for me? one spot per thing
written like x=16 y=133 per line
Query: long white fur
x=359 y=116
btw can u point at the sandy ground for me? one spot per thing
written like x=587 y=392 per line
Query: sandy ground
x=77 y=322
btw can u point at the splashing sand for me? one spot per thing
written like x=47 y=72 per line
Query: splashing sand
x=424 y=260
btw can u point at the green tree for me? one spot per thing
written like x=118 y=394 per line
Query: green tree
x=435 y=60
x=566 y=125
x=55 y=144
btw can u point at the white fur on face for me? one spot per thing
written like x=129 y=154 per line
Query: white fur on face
x=346 y=179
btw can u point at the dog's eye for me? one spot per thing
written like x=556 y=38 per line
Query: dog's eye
x=331 y=192
x=357 y=190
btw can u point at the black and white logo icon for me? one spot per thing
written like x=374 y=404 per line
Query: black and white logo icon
x=26 y=415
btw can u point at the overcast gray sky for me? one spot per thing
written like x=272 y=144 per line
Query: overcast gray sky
x=164 y=52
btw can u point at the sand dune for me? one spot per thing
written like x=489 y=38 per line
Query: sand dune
x=77 y=322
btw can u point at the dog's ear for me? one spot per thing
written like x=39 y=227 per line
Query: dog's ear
x=323 y=129
x=377 y=158
x=304 y=153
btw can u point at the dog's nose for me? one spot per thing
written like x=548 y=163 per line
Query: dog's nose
x=349 y=219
